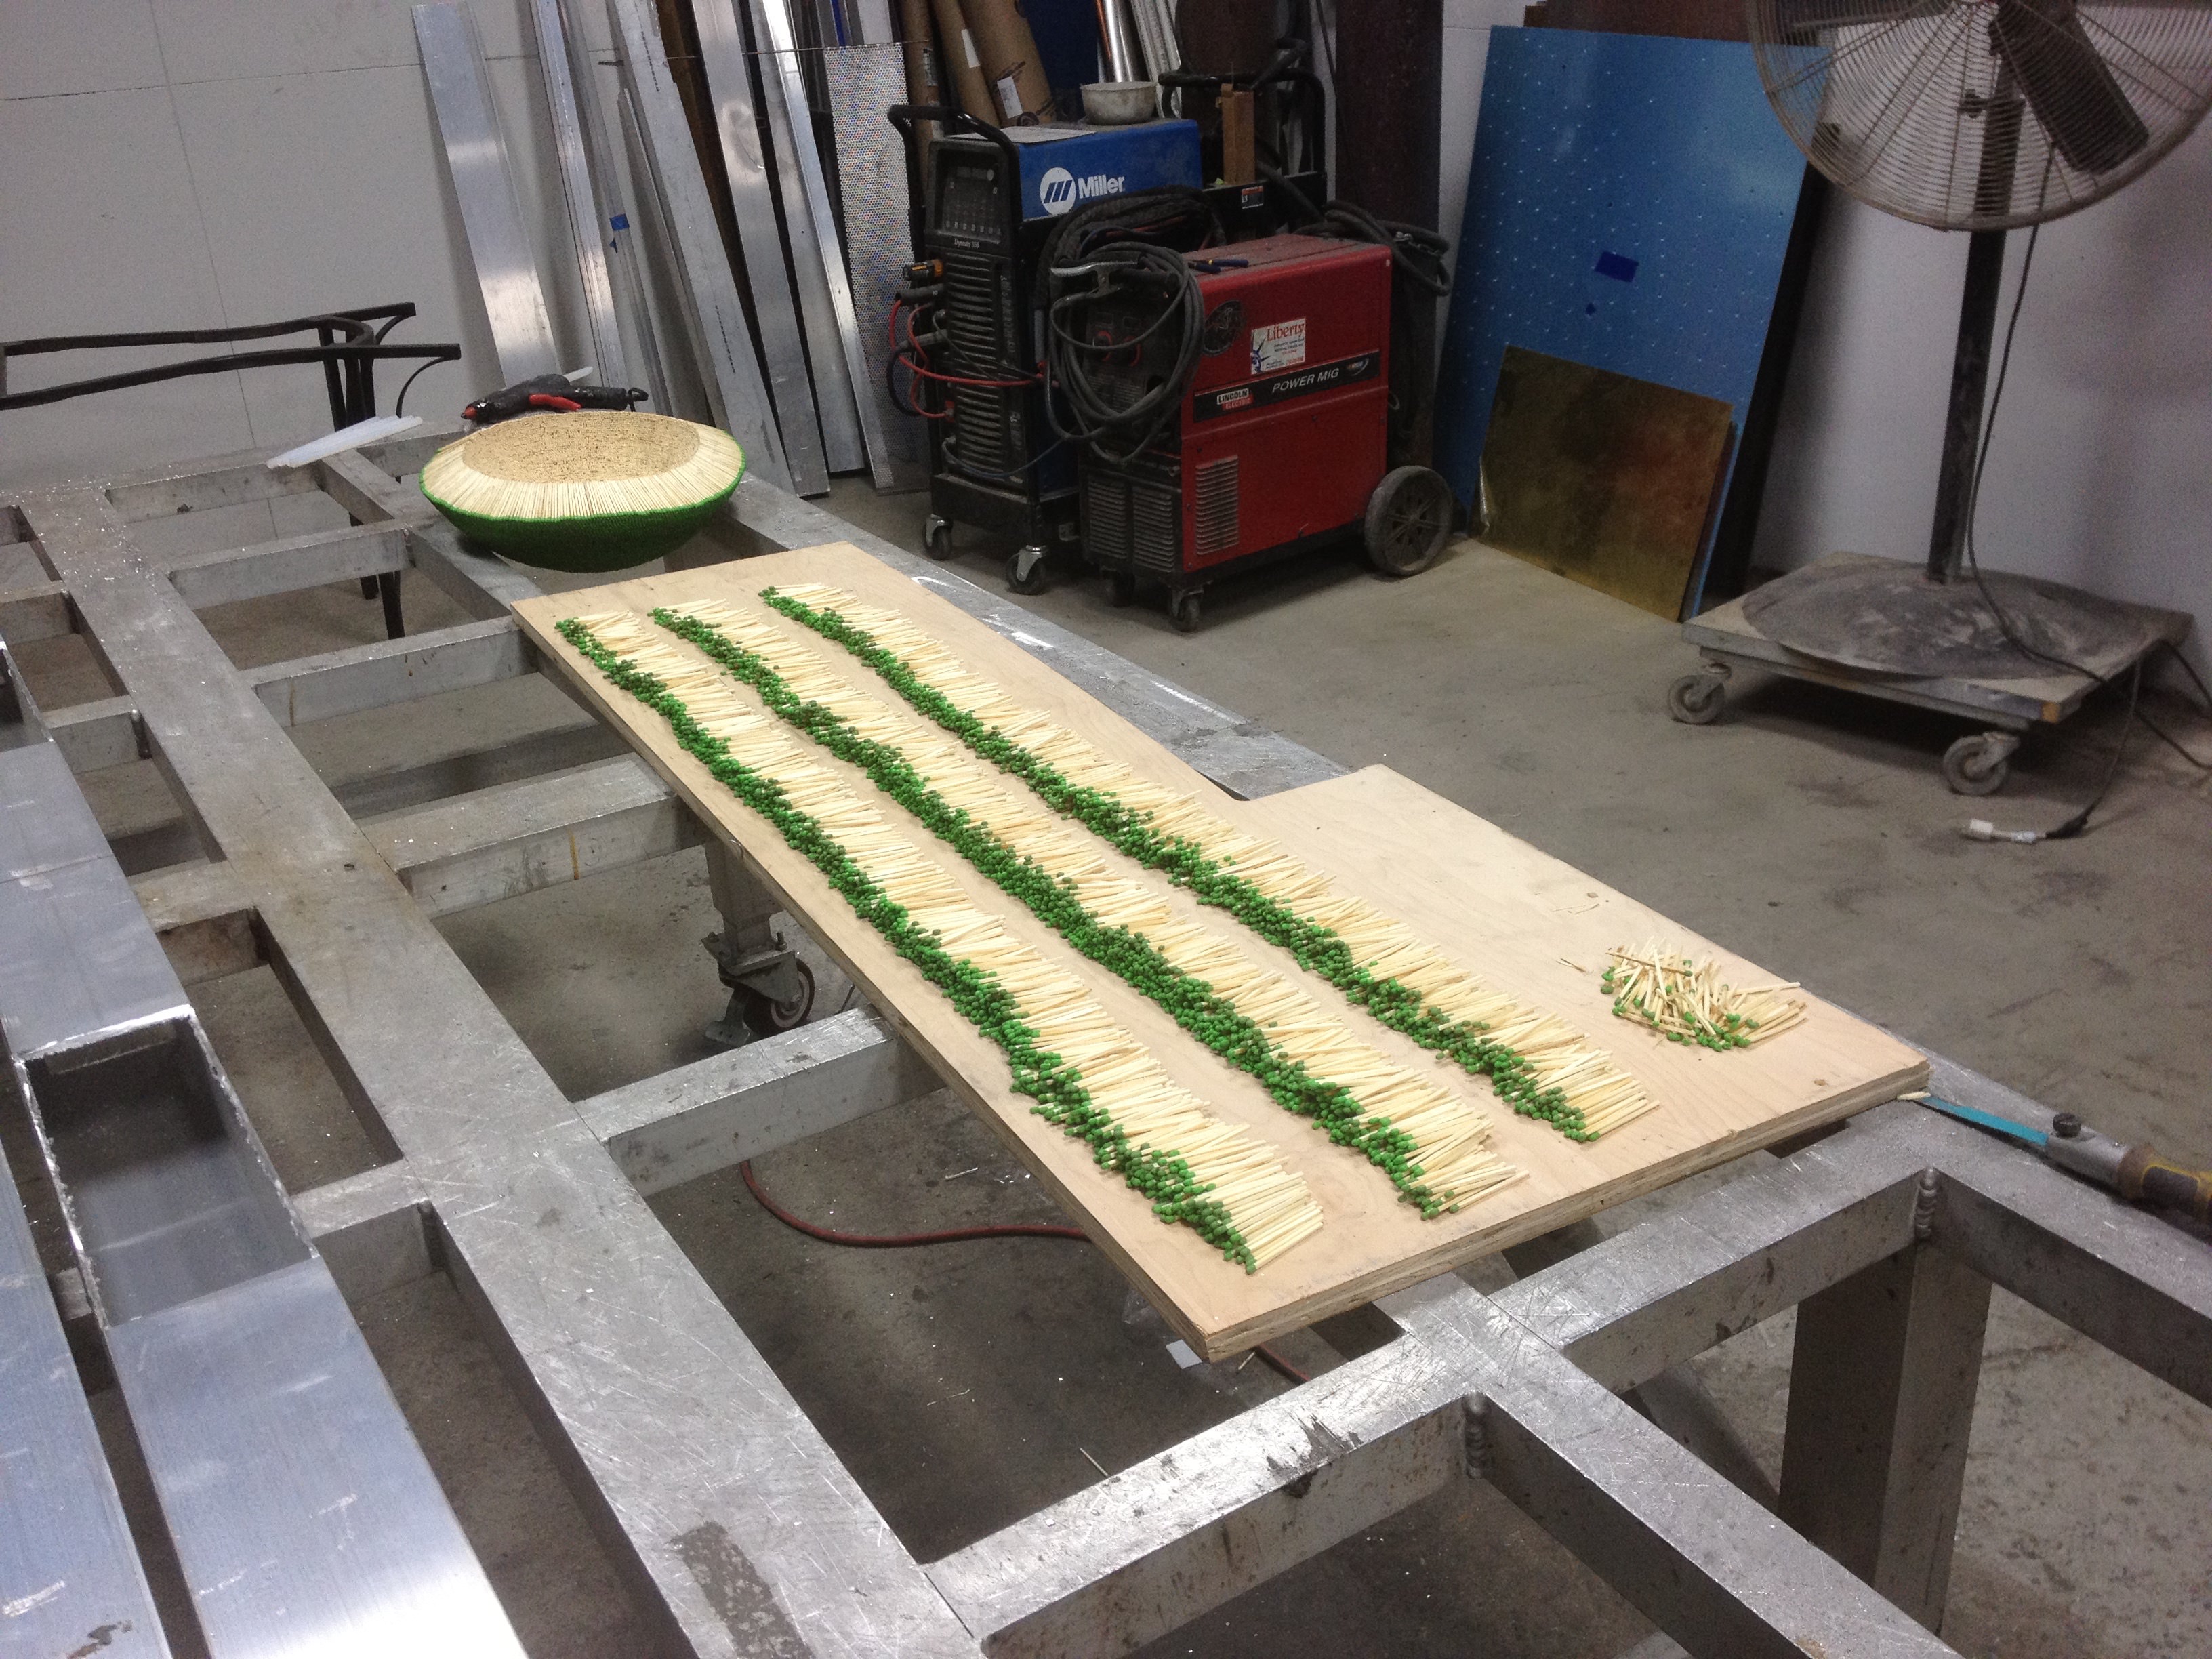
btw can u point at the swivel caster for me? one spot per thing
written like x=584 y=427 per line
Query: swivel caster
x=1978 y=763
x=771 y=990
x=937 y=537
x=1696 y=699
x=1120 y=589
x=1183 y=612
x=1025 y=570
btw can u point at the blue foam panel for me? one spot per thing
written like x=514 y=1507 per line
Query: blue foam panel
x=1628 y=208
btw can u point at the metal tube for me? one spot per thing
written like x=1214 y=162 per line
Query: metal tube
x=1120 y=65
x=476 y=156
x=584 y=219
x=730 y=92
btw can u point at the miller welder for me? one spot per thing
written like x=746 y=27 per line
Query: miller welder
x=1234 y=404
x=966 y=328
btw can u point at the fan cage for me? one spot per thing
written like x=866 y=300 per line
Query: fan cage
x=1983 y=114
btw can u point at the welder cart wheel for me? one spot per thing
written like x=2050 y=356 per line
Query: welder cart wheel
x=1025 y=570
x=1696 y=699
x=767 y=1016
x=1409 y=520
x=1120 y=589
x=937 y=537
x=1977 y=764
x=1184 y=611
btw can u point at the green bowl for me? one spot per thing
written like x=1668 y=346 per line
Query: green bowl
x=613 y=540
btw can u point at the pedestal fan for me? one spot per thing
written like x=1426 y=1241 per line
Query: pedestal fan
x=1982 y=116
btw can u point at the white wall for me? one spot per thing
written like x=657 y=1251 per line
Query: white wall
x=1468 y=24
x=2100 y=474
x=2101 y=471
x=195 y=163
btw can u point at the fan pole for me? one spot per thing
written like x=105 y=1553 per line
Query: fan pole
x=1962 y=429
x=2000 y=114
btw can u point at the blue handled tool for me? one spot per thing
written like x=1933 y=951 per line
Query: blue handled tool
x=2136 y=1173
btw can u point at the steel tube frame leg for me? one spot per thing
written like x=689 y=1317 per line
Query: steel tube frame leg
x=1881 y=1398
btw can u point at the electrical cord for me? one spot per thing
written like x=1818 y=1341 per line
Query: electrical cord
x=951 y=1236
x=1979 y=829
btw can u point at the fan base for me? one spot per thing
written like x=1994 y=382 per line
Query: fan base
x=1881 y=628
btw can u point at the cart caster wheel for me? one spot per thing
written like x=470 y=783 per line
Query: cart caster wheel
x=1978 y=764
x=1120 y=589
x=1409 y=520
x=937 y=537
x=1025 y=570
x=1696 y=699
x=766 y=1017
x=1184 y=611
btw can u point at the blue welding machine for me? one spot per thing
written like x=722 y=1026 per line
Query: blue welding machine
x=992 y=198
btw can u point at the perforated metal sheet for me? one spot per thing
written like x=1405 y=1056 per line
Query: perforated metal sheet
x=864 y=82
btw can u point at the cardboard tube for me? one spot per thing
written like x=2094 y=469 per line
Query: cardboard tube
x=1008 y=50
x=963 y=63
x=924 y=80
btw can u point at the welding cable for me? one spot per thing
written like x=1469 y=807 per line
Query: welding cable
x=952 y=1236
x=1168 y=214
x=1113 y=424
x=1417 y=252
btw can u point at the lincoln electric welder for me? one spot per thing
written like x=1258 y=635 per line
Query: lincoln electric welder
x=1232 y=404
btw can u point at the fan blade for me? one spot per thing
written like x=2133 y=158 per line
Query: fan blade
x=2068 y=84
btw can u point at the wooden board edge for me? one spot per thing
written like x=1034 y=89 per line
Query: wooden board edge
x=1534 y=1224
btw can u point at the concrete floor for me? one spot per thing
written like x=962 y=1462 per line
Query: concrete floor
x=967 y=1385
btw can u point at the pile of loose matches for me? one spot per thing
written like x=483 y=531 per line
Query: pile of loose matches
x=1684 y=999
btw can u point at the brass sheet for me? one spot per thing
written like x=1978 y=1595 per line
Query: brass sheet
x=1607 y=479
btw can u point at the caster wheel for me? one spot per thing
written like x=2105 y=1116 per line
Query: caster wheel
x=766 y=1017
x=1183 y=612
x=1025 y=570
x=1409 y=520
x=1696 y=699
x=1978 y=764
x=1120 y=589
x=937 y=537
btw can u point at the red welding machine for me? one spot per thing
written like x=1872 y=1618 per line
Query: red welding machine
x=1280 y=442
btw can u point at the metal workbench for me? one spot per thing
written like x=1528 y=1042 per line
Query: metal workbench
x=739 y=1530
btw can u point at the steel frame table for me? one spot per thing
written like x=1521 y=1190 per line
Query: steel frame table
x=737 y=1526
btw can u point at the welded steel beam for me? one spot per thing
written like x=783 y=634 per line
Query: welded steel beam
x=1151 y=1548
x=204 y=919
x=274 y=1446
x=1881 y=1402
x=517 y=838
x=37 y=611
x=101 y=734
x=226 y=575
x=717 y=1112
x=734 y=1520
x=305 y=689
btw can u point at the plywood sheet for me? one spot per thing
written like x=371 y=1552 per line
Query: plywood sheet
x=1531 y=925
